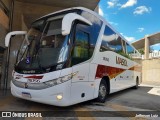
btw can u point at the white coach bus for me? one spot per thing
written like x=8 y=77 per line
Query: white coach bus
x=71 y=56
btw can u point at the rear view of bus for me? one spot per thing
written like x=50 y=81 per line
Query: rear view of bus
x=60 y=62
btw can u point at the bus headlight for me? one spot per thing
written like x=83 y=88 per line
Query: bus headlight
x=58 y=80
x=59 y=97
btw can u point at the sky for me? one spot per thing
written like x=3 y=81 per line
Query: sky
x=132 y=18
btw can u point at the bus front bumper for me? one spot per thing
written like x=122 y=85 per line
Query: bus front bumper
x=58 y=95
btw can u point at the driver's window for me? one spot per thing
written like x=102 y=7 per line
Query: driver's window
x=22 y=51
x=52 y=37
x=81 y=45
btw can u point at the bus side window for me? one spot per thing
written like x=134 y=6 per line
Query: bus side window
x=108 y=40
x=112 y=42
x=123 y=46
x=81 y=46
x=130 y=50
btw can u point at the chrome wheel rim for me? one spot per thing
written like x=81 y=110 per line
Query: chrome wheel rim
x=102 y=91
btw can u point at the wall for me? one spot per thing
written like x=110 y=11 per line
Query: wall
x=4 y=28
x=151 y=70
x=4 y=23
x=7 y=3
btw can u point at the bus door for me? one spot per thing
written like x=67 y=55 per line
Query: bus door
x=81 y=88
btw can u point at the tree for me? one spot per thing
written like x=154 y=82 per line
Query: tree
x=141 y=51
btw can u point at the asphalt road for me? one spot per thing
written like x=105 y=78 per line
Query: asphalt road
x=126 y=100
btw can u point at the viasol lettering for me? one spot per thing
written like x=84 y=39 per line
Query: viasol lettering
x=121 y=61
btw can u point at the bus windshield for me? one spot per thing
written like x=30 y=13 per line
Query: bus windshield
x=47 y=46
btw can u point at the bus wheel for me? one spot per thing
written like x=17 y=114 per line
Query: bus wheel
x=102 y=93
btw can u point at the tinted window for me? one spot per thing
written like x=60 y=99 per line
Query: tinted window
x=123 y=46
x=130 y=49
x=94 y=29
x=53 y=27
x=111 y=41
x=81 y=46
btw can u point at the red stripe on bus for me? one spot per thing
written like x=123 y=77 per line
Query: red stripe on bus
x=35 y=77
x=112 y=72
x=108 y=71
x=136 y=68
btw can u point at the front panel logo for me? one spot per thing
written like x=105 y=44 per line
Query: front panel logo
x=121 y=61
x=6 y=114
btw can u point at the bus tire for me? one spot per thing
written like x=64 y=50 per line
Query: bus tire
x=103 y=92
x=137 y=83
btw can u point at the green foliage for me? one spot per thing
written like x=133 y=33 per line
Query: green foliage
x=141 y=51
x=125 y=55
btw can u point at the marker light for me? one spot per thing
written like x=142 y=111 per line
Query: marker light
x=59 y=97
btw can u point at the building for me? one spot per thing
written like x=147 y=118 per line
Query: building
x=150 y=60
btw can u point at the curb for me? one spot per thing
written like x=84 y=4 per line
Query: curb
x=146 y=85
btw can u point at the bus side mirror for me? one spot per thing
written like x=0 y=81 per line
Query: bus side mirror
x=68 y=20
x=11 y=34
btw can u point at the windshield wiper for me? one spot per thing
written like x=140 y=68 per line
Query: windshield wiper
x=38 y=59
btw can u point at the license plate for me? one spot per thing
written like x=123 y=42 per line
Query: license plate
x=26 y=95
x=33 y=81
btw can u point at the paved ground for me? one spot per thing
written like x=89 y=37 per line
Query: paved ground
x=143 y=99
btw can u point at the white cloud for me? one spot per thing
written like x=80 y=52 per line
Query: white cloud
x=157 y=45
x=112 y=3
x=113 y=23
x=142 y=9
x=129 y=3
x=140 y=29
x=101 y=12
x=130 y=39
x=155 y=50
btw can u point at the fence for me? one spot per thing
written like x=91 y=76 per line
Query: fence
x=153 y=55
